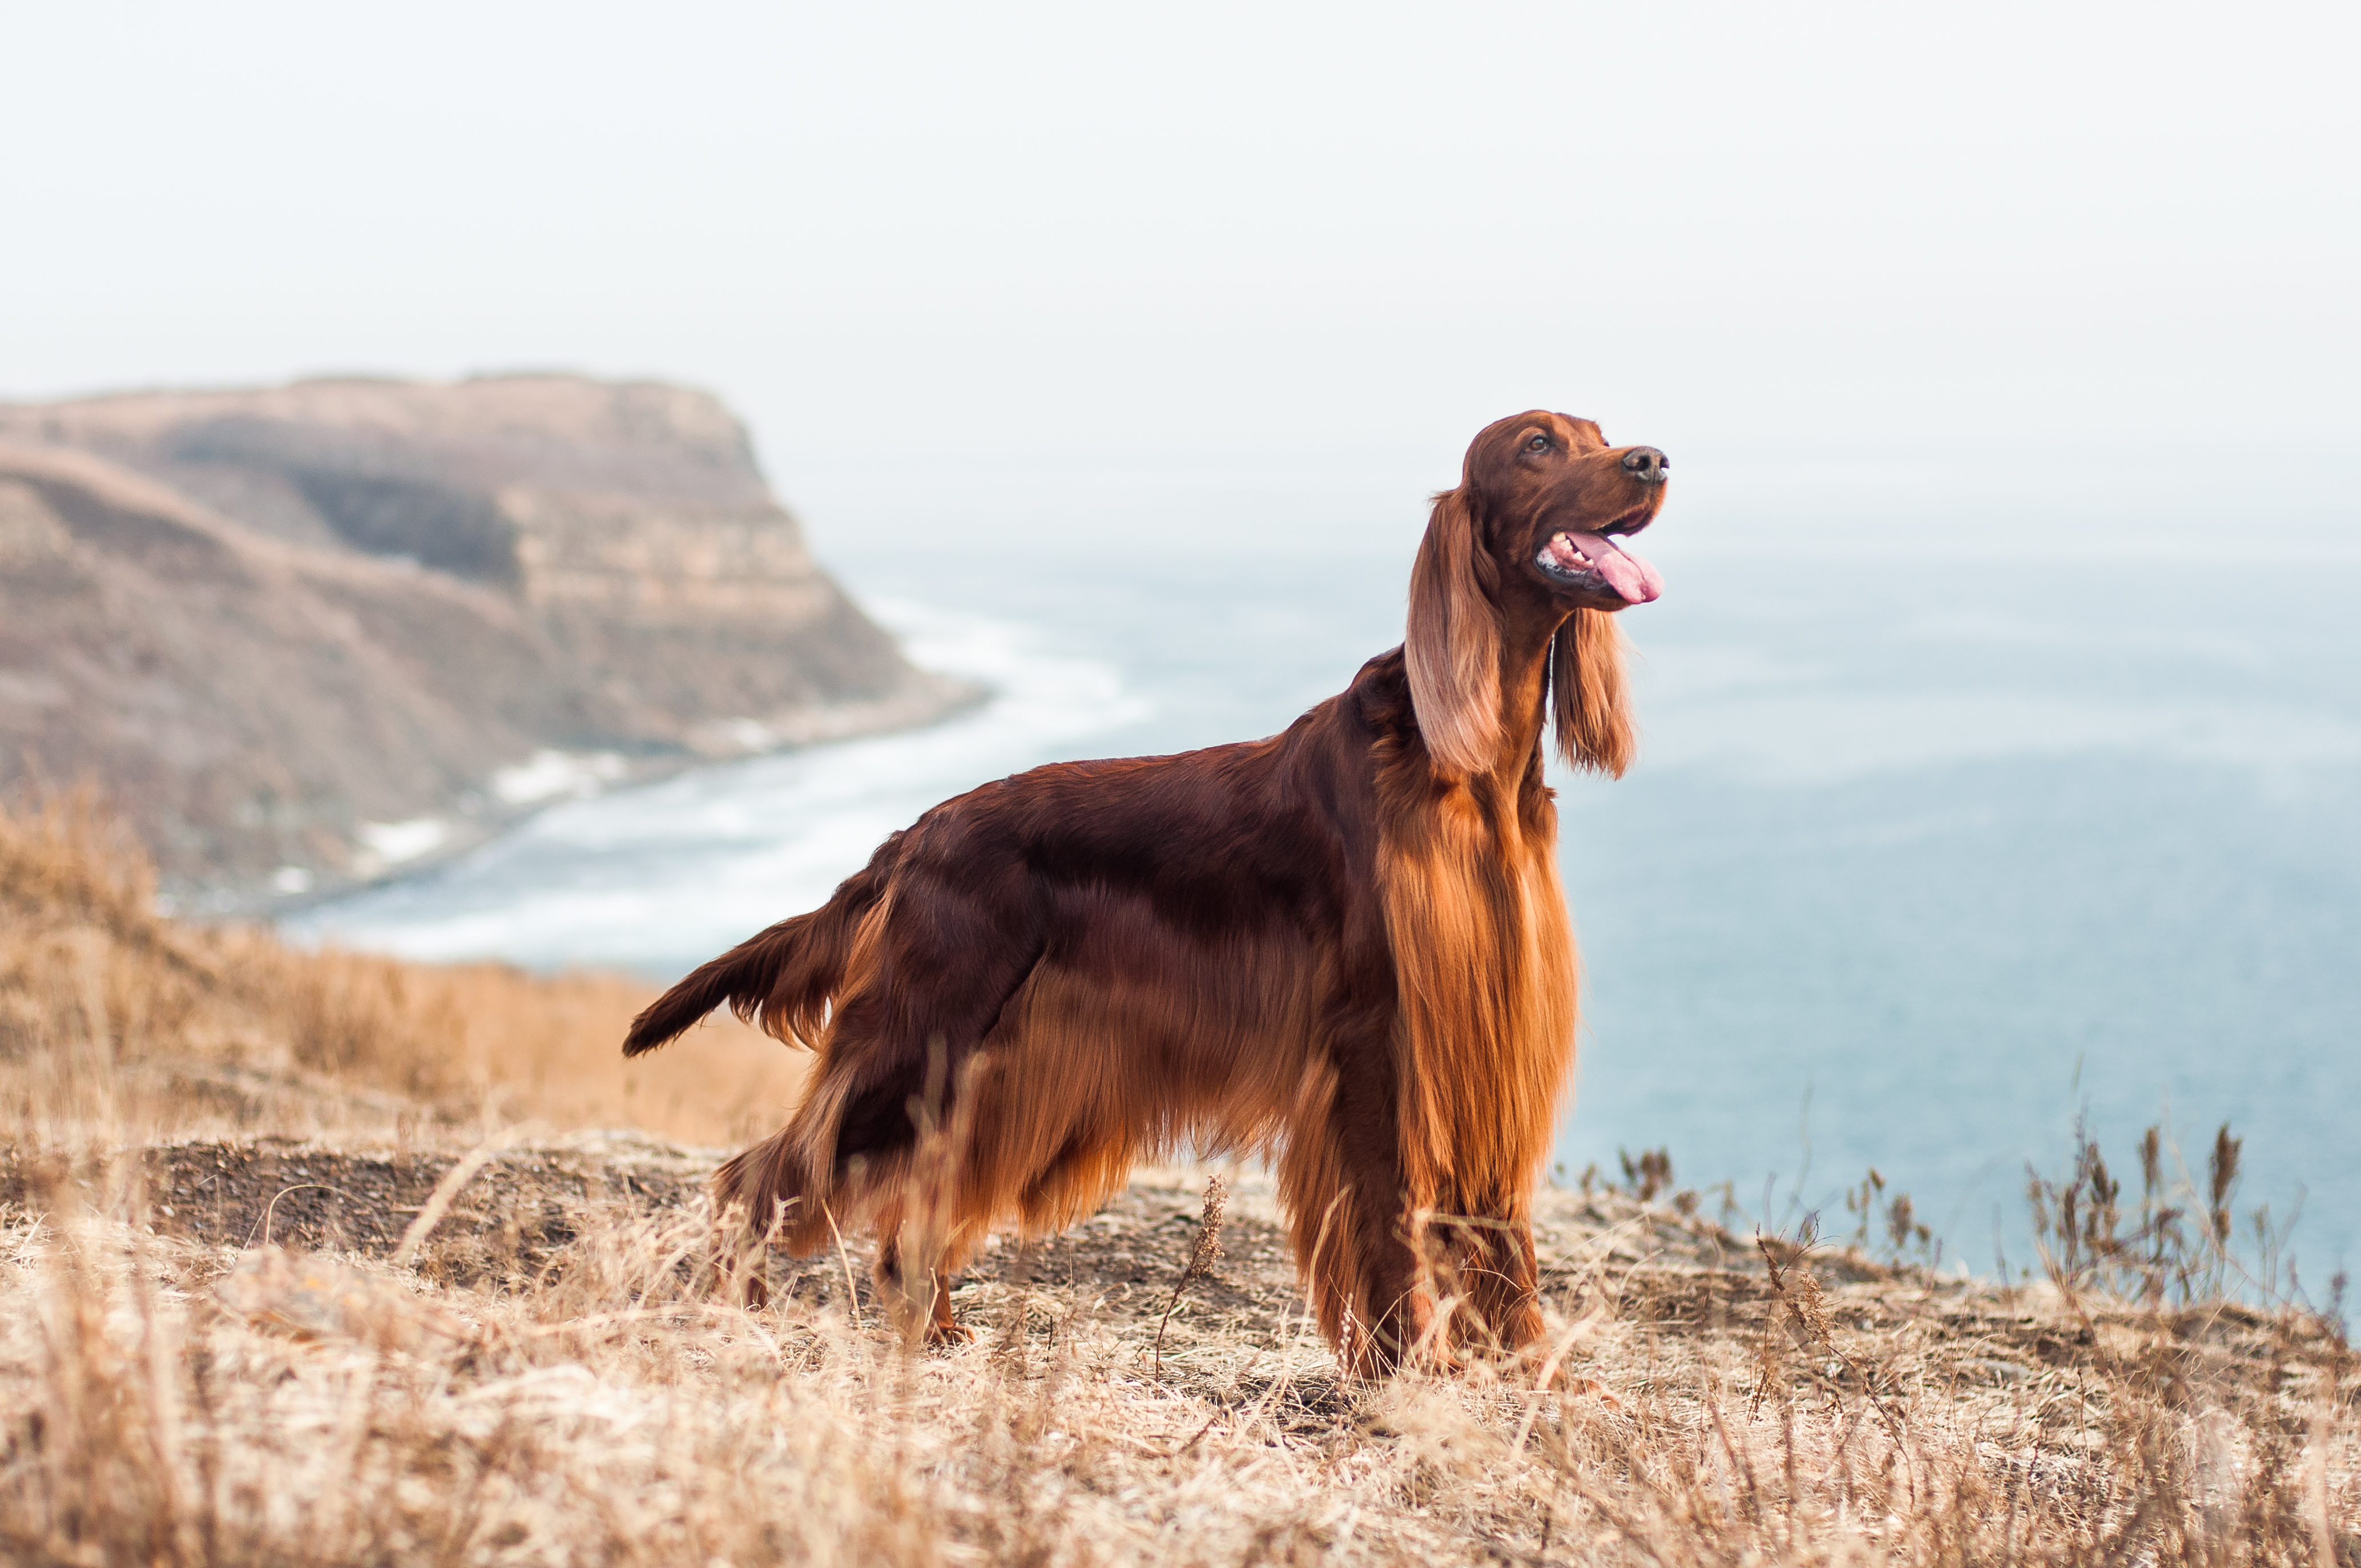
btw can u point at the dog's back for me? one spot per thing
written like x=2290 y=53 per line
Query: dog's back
x=1083 y=965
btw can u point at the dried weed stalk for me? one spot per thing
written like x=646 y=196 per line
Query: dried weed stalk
x=1203 y=1255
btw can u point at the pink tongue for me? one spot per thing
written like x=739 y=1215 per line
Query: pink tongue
x=1627 y=574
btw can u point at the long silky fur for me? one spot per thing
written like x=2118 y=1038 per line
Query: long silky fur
x=1590 y=695
x=1344 y=948
x=1453 y=645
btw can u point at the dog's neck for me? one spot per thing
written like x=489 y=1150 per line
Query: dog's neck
x=1526 y=630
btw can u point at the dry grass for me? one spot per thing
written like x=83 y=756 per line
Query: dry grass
x=516 y=1357
x=114 y=1017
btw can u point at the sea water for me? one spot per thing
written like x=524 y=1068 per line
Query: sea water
x=1918 y=868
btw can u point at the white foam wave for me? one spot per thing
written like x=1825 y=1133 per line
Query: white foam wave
x=661 y=877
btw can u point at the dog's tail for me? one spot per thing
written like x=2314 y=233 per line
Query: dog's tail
x=785 y=974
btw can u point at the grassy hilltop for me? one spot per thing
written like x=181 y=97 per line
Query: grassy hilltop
x=322 y=1258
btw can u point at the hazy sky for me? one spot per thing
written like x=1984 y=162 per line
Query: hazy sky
x=1875 y=259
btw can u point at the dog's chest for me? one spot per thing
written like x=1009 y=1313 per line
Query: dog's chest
x=1483 y=957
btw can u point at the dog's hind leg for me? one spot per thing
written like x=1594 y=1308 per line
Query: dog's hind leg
x=759 y=1197
x=917 y=1295
x=931 y=972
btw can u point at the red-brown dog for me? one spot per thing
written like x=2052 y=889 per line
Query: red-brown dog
x=1345 y=947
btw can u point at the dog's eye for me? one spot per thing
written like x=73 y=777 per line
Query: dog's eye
x=1538 y=444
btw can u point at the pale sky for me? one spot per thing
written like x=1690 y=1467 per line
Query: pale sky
x=1041 y=265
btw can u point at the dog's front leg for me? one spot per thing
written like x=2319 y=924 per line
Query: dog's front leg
x=1501 y=1276
x=1356 y=1220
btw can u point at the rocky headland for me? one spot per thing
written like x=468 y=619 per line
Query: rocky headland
x=302 y=636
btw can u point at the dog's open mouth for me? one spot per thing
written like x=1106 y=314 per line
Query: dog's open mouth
x=1598 y=560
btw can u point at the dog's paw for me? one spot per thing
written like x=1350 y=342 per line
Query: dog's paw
x=949 y=1333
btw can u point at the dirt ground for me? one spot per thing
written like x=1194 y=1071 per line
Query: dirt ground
x=526 y=1361
x=1681 y=1276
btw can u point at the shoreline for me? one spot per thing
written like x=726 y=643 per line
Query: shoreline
x=481 y=815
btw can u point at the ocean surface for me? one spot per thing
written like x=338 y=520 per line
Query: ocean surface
x=1929 y=854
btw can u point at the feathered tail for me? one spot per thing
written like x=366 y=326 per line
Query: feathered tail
x=785 y=974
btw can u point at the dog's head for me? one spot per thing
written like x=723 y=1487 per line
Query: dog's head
x=1533 y=534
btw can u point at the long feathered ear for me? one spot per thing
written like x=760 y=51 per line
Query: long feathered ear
x=1593 y=700
x=1452 y=648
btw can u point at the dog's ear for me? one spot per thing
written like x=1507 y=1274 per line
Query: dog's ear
x=1593 y=700
x=1452 y=648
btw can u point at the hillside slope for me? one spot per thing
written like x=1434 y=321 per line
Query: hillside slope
x=310 y=631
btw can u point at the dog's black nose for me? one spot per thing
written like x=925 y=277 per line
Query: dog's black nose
x=1647 y=464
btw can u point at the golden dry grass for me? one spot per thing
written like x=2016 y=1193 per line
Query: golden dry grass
x=111 y=1015
x=514 y=1354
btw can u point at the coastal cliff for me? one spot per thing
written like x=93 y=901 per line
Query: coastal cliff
x=301 y=635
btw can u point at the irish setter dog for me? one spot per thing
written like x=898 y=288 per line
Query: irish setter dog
x=1345 y=947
